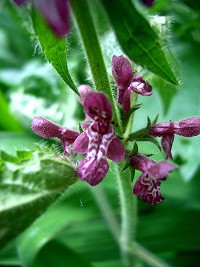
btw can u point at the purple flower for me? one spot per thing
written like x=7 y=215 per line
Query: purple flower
x=55 y=12
x=83 y=91
x=98 y=140
x=126 y=83
x=48 y=129
x=187 y=128
x=123 y=75
x=19 y=2
x=138 y=86
x=148 y=184
x=148 y=3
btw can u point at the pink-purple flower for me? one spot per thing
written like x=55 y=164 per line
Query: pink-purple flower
x=98 y=140
x=55 y=12
x=148 y=184
x=148 y=3
x=48 y=129
x=187 y=128
x=126 y=83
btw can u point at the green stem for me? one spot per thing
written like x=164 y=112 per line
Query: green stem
x=134 y=249
x=93 y=52
x=134 y=97
x=107 y=211
x=146 y=256
x=128 y=212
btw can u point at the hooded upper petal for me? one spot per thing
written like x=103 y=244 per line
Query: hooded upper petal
x=83 y=91
x=46 y=128
x=188 y=127
x=97 y=107
x=56 y=13
x=122 y=71
x=140 y=162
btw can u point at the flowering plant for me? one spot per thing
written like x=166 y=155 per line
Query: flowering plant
x=85 y=117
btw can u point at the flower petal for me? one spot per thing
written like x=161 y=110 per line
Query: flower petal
x=46 y=128
x=92 y=169
x=122 y=72
x=56 y=13
x=148 y=3
x=97 y=106
x=83 y=91
x=166 y=143
x=81 y=144
x=148 y=189
x=140 y=86
x=188 y=127
x=19 y=2
x=126 y=103
x=161 y=129
x=69 y=135
x=160 y=170
x=116 y=151
x=140 y=162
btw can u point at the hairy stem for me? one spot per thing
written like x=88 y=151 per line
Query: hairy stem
x=146 y=256
x=93 y=52
x=128 y=212
x=107 y=212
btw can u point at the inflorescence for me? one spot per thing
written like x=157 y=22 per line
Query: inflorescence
x=99 y=142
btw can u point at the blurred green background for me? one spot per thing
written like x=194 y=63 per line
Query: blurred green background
x=73 y=230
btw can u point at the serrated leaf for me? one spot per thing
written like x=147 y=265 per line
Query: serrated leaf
x=55 y=49
x=29 y=183
x=138 y=40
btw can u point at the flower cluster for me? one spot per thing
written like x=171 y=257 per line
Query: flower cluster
x=55 y=12
x=99 y=142
x=98 y=139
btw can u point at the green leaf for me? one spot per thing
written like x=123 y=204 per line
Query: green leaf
x=56 y=254
x=75 y=220
x=92 y=48
x=127 y=115
x=29 y=183
x=9 y=257
x=10 y=123
x=54 y=49
x=138 y=40
x=166 y=91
